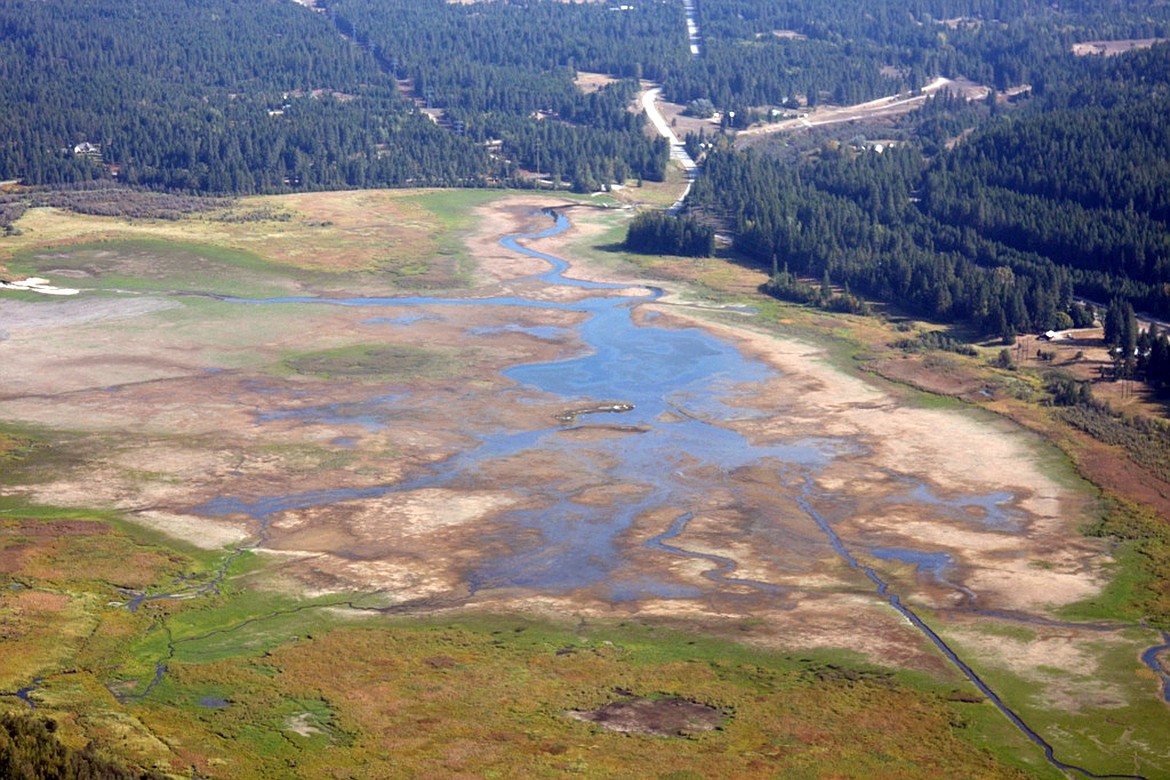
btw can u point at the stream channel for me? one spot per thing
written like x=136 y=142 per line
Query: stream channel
x=666 y=392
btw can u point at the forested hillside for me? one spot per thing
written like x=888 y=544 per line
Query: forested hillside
x=206 y=95
x=506 y=71
x=810 y=51
x=229 y=96
x=31 y=750
x=1067 y=194
x=1081 y=177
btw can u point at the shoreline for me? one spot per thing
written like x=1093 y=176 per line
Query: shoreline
x=320 y=438
x=951 y=450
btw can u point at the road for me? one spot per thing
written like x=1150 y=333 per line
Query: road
x=693 y=37
x=677 y=150
x=894 y=104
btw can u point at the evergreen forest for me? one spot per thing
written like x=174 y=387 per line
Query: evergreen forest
x=1060 y=195
x=1059 y=200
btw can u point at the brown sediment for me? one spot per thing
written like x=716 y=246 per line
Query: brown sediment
x=174 y=435
x=666 y=717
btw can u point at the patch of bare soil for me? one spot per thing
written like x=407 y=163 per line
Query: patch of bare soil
x=18 y=316
x=1064 y=663
x=682 y=124
x=1084 y=355
x=521 y=214
x=935 y=374
x=592 y=82
x=1113 y=48
x=828 y=115
x=302 y=724
x=669 y=717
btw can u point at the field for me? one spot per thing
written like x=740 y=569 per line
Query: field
x=247 y=533
x=1113 y=48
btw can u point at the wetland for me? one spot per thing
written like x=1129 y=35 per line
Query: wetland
x=426 y=441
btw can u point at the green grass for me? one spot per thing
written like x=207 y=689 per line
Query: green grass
x=89 y=566
x=1114 y=722
x=249 y=625
x=398 y=362
x=485 y=695
x=453 y=209
x=28 y=454
x=1123 y=596
x=659 y=194
x=1140 y=586
x=986 y=728
x=158 y=265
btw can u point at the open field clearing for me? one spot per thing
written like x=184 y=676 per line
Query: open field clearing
x=1113 y=48
x=351 y=488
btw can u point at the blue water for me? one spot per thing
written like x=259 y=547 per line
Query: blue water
x=677 y=379
x=1150 y=659
x=371 y=415
x=405 y=319
x=930 y=564
x=722 y=569
x=991 y=510
x=543 y=332
x=680 y=383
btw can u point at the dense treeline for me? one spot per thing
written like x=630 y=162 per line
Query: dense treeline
x=505 y=71
x=229 y=96
x=1137 y=353
x=210 y=96
x=653 y=232
x=484 y=55
x=852 y=222
x=1082 y=177
x=737 y=75
x=768 y=53
x=1066 y=194
x=30 y=750
x=590 y=142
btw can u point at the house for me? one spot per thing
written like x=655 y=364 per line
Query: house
x=86 y=149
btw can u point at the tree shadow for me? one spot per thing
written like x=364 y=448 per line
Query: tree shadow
x=613 y=247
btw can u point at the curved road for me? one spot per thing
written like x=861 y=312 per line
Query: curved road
x=677 y=150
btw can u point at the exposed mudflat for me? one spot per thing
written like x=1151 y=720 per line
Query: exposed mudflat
x=410 y=451
x=190 y=429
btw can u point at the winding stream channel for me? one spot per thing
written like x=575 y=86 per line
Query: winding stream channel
x=667 y=394
x=653 y=374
